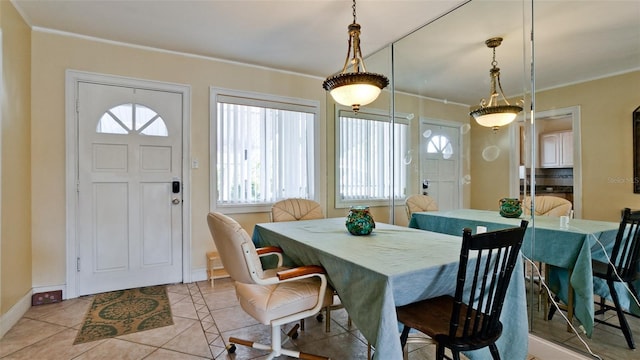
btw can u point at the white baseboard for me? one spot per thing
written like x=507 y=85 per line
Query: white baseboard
x=199 y=275
x=11 y=317
x=546 y=350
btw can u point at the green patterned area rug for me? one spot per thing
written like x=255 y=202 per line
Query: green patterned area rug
x=122 y=312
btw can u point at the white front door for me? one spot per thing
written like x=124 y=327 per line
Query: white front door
x=440 y=163
x=129 y=228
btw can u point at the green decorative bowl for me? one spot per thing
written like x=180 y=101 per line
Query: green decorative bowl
x=360 y=221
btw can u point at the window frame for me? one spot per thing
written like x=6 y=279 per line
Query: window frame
x=261 y=100
x=375 y=115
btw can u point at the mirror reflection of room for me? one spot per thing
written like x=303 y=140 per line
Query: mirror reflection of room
x=578 y=148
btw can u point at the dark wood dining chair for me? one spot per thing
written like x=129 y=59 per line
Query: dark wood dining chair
x=470 y=319
x=624 y=265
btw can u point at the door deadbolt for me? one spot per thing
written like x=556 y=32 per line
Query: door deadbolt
x=175 y=201
x=175 y=187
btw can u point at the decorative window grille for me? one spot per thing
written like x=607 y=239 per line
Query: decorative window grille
x=132 y=118
x=440 y=144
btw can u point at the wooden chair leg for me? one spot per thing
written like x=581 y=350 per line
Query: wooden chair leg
x=545 y=295
x=439 y=352
x=327 y=324
x=404 y=336
x=570 y=301
x=540 y=280
x=494 y=351
x=624 y=325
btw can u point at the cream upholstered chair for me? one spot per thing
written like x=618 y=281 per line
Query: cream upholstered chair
x=296 y=209
x=419 y=202
x=272 y=297
x=548 y=206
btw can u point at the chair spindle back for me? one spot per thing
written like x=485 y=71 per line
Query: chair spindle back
x=485 y=288
x=625 y=254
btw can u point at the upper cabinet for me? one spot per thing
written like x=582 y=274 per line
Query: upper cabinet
x=556 y=149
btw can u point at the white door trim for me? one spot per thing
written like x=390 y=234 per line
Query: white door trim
x=574 y=113
x=72 y=80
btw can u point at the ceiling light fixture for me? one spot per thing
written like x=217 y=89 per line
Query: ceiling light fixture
x=491 y=114
x=358 y=87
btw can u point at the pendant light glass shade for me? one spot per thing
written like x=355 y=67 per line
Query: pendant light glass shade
x=490 y=114
x=354 y=88
x=357 y=87
x=496 y=116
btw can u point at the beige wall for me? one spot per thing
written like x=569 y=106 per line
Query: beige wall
x=53 y=54
x=489 y=176
x=15 y=212
x=606 y=108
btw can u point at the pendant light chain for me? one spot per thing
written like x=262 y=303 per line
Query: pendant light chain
x=358 y=87
x=494 y=62
x=354 y=11
x=490 y=113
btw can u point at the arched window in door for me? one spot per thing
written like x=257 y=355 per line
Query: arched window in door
x=132 y=118
x=440 y=144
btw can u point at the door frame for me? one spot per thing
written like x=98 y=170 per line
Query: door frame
x=452 y=124
x=72 y=80
x=570 y=111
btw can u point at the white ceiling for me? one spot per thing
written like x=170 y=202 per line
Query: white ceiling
x=576 y=40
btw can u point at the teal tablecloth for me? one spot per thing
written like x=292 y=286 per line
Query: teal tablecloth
x=391 y=267
x=545 y=240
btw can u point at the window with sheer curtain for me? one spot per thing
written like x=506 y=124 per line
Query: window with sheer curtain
x=372 y=156
x=265 y=149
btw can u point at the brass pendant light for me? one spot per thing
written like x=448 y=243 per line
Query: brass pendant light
x=358 y=87
x=491 y=114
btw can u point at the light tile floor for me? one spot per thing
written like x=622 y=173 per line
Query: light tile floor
x=606 y=342
x=204 y=318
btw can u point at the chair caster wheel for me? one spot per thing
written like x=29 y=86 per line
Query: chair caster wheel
x=320 y=317
x=231 y=348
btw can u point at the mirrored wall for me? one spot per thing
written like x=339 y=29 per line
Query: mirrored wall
x=572 y=140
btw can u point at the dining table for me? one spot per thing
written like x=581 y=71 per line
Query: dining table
x=568 y=249
x=393 y=266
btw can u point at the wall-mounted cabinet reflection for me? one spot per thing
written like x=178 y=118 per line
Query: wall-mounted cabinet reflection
x=556 y=149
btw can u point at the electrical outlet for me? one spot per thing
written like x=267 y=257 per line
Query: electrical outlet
x=48 y=297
